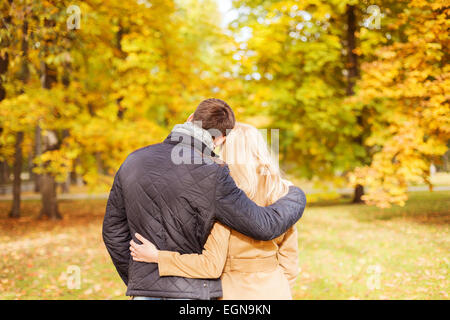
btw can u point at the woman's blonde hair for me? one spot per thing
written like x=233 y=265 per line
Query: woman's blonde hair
x=251 y=165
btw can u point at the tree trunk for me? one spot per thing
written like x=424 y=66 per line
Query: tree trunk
x=352 y=75
x=65 y=186
x=73 y=177
x=24 y=69
x=99 y=162
x=47 y=182
x=4 y=175
x=18 y=160
x=3 y=178
x=359 y=192
x=37 y=153
x=445 y=166
x=4 y=61
x=3 y=69
x=49 y=201
x=24 y=76
x=119 y=36
x=30 y=168
x=352 y=57
x=3 y=172
x=5 y=23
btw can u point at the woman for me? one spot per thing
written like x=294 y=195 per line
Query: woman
x=249 y=269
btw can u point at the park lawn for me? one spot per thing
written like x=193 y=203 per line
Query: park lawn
x=360 y=252
x=346 y=252
x=35 y=256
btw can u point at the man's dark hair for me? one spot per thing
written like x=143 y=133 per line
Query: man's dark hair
x=215 y=114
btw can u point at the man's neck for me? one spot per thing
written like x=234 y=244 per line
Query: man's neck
x=189 y=128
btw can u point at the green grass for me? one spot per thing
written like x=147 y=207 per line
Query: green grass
x=361 y=252
x=342 y=247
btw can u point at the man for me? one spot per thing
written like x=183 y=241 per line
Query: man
x=172 y=193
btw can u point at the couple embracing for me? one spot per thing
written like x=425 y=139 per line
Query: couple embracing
x=184 y=223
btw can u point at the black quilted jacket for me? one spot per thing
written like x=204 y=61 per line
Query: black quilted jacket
x=175 y=205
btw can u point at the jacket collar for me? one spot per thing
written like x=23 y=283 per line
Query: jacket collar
x=185 y=139
x=196 y=131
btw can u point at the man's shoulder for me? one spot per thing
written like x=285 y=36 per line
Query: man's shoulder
x=136 y=158
x=144 y=150
x=162 y=156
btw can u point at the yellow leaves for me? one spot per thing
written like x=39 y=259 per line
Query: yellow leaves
x=408 y=83
x=132 y=79
x=433 y=45
x=56 y=162
x=384 y=199
x=15 y=112
x=404 y=159
x=259 y=121
x=383 y=185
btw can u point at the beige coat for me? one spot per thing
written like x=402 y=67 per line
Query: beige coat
x=249 y=269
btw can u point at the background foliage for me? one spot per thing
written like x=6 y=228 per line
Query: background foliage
x=360 y=94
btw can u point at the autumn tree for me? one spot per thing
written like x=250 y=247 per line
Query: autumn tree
x=306 y=67
x=408 y=83
x=301 y=65
x=357 y=88
x=104 y=79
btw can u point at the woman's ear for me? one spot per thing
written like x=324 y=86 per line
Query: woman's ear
x=189 y=119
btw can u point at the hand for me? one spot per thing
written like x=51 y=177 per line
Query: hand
x=145 y=252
